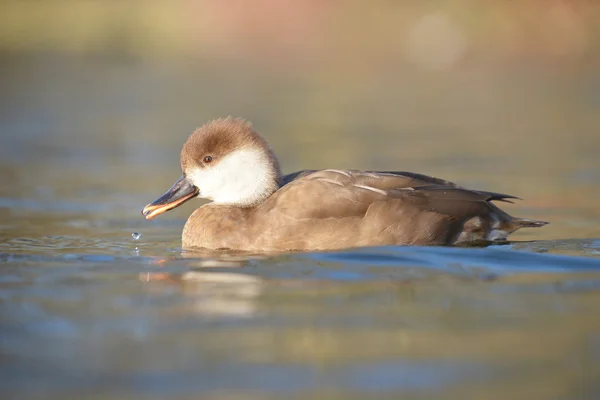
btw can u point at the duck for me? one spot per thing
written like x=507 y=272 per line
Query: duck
x=254 y=207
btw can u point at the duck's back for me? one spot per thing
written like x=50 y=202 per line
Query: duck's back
x=333 y=209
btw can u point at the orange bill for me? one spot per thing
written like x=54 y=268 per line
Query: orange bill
x=182 y=191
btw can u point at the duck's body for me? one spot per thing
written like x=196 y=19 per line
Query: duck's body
x=257 y=209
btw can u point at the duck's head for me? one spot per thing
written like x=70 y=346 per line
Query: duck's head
x=225 y=161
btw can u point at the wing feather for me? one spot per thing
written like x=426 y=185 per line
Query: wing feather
x=330 y=193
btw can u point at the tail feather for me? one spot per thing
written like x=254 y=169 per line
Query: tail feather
x=529 y=223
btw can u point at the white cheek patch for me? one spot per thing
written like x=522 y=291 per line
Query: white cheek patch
x=243 y=177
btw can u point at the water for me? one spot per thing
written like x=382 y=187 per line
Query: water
x=97 y=302
x=422 y=321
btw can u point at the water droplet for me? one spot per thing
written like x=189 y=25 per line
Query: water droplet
x=136 y=236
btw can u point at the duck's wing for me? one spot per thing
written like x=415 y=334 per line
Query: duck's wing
x=424 y=183
x=296 y=175
x=338 y=193
x=387 y=178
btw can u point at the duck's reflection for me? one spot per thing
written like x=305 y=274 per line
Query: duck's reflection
x=216 y=284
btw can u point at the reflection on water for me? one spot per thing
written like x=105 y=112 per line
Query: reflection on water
x=495 y=322
x=89 y=310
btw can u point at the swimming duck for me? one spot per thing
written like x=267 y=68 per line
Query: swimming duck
x=256 y=208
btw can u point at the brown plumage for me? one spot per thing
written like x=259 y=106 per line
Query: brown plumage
x=255 y=208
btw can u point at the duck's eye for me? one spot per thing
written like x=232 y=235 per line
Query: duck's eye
x=208 y=159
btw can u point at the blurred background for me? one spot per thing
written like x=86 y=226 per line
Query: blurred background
x=98 y=96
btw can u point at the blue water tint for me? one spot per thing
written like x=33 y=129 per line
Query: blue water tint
x=273 y=378
x=345 y=275
x=98 y=258
x=494 y=259
x=53 y=206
